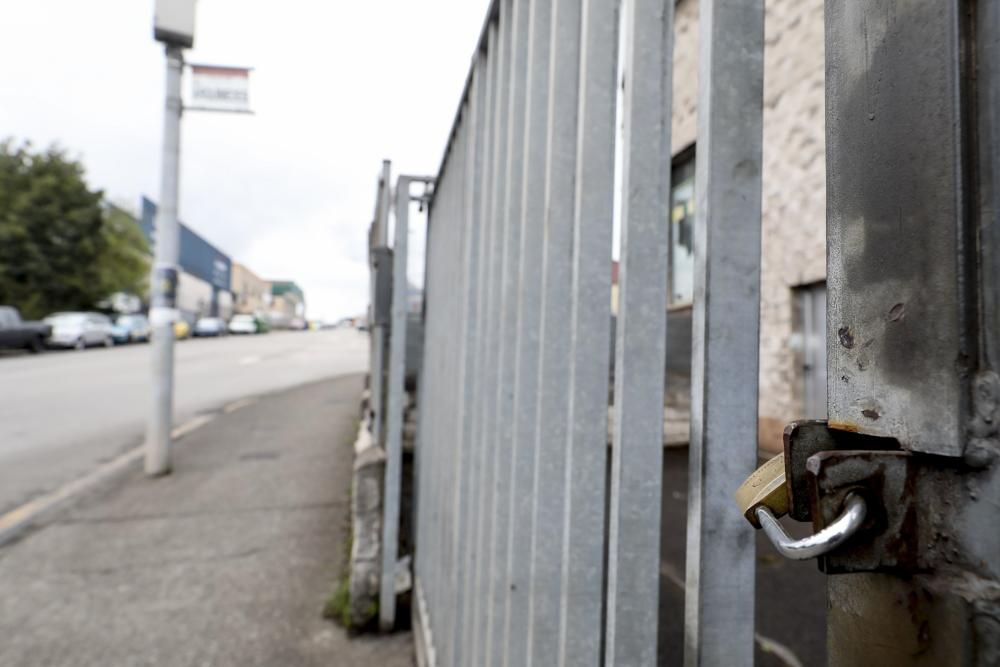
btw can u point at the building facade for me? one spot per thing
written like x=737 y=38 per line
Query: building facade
x=203 y=286
x=793 y=270
x=251 y=293
x=288 y=304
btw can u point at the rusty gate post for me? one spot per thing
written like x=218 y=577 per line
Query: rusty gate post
x=913 y=145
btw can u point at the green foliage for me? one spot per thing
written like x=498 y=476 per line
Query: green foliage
x=338 y=607
x=124 y=266
x=60 y=248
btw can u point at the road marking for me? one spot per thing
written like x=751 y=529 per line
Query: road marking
x=190 y=425
x=236 y=405
x=767 y=644
x=14 y=522
x=252 y=359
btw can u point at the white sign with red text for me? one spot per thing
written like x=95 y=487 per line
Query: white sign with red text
x=220 y=88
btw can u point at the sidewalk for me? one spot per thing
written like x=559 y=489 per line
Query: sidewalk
x=228 y=561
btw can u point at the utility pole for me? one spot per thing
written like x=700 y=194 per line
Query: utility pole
x=173 y=25
x=164 y=284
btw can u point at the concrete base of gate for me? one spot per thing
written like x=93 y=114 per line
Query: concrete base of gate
x=366 y=519
x=366 y=529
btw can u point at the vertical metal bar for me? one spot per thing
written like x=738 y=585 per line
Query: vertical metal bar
x=468 y=358
x=719 y=601
x=585 y=443
x=430 y=393
x=988 y=149
x=507 y=329
x=377 y=385
x=637 y=450
x=452 y=430
x=551 y=431
x=473 y=534
x=450 y=391
x=488 y=433
x=528 y=324
x=427 y=416
x=394 y=412
x=373 y=236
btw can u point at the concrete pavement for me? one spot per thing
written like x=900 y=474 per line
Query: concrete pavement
x=226 y=562
x=61 y=413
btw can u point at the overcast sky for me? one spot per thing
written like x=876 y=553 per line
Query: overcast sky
x=337 y=86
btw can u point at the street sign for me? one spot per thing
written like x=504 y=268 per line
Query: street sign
x=173 y=22
x=216 y=88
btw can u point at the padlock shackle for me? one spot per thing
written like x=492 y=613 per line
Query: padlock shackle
x=822 y=542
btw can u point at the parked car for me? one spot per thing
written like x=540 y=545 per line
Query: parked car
x=182 y=329
x=243 y=324
x=80 y=330
x=210 y=326
x=16 y=333
x=131 y=329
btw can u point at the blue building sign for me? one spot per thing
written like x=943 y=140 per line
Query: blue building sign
x=197 y=256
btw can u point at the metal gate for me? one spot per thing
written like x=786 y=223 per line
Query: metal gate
x=524 y=555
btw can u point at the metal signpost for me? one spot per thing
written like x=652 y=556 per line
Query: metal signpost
x=217 y=89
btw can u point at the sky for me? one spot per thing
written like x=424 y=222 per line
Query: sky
x=336 y=87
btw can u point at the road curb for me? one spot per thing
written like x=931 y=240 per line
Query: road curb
x=18 y=521
x=15 y=523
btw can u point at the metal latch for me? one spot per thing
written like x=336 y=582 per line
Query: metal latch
x=850 y=486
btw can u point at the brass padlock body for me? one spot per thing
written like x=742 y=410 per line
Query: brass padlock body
x=764 y=487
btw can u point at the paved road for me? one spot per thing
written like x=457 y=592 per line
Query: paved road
x=61 y=413
x=226 y=562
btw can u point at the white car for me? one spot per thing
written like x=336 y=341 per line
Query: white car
x=80 y=330
x=243 y=324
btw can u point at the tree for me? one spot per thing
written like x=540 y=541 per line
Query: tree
x=60 y=247
x=124 y=265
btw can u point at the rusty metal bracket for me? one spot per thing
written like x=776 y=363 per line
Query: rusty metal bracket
x=804 y=438
x=888 y=540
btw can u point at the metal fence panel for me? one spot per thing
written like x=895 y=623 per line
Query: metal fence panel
x=512 y=447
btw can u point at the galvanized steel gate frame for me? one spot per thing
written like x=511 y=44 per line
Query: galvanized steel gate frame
x=512 y=437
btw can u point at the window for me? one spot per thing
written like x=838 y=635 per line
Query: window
x=682 y=211
x=809 y=341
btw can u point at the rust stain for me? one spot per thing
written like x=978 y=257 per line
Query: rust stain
x=844 y=426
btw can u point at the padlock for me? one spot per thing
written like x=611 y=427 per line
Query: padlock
x=764 y=487
x=764 y=497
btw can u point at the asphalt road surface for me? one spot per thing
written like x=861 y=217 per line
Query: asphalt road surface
x=63 y=413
